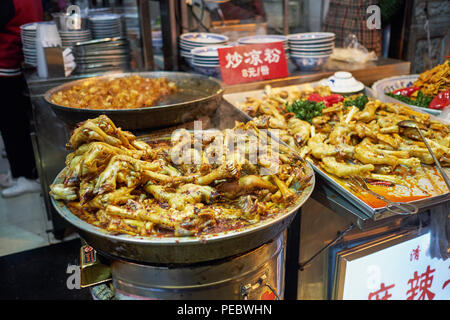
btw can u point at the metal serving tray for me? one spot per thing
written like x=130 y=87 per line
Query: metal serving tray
x=236 y=98
x=189 y=249
x=197 y=96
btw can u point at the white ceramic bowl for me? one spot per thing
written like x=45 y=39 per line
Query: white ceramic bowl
x=208 y=70
x=264 y=39
x=311 y=53
x=343 y=82
x=189 y=42
x=203 y=38
x=206 y=56
x=308 y=63
x=311 y=38
x=315 y=46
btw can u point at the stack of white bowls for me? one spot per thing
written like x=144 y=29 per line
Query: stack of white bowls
x=205 y=60
x=28 y=36
x=192 y=40
x=269 y=38
x=309 y=51
x=105 y=25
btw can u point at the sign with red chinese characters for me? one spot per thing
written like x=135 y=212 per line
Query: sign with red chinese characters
x=403 y=271
x=254 y=62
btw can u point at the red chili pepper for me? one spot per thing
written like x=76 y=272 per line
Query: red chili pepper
x=380 y=183
x=334 y=98
x=441 y=100
x=405 y=91
x=315 y=97
x=327 y=100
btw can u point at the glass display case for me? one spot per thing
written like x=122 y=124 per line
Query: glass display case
x=153 y=28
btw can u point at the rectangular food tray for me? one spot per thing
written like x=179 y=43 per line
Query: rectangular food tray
x=235 y=98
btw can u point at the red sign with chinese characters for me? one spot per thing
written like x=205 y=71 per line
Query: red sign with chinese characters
x=253 y=62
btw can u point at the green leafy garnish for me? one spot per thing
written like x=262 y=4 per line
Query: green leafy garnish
x=401 y=98
x=359 y=102
x=422 y=100
x=306 y=110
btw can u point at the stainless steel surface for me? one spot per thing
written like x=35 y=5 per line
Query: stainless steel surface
x=320 y=224
x=414 y=125
x=334 y=201
x=245 y=276
x=185 y=249
x=395 y=207
x=55 y=61
x=339 y=236
x=197 y=95
x=375 y=213
x=100 y=42
x=107 y=54
x=49 y=136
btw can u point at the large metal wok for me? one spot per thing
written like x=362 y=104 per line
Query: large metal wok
x=197 y=96
x=185 y=250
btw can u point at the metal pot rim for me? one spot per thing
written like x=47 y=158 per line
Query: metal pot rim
x=149 y=74
x=64 y=212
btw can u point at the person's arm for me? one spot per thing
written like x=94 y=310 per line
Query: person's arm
x=7 y=12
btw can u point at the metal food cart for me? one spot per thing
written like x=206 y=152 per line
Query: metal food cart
x=310 y=238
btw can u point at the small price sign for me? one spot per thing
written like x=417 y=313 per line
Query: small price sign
x=89 y=255
x=254 y=62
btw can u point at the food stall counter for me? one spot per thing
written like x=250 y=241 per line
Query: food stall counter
x=367 y=73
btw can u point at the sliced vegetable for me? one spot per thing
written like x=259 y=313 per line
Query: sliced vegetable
x=333 y=98
x=327 y=100
x=315 y=97
x=441 y=101
x=380 y=183
x=406 y=91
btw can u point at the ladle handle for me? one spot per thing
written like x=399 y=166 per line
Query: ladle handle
x=436 y=161
x=402 y=208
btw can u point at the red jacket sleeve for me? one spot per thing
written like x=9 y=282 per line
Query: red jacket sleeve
x=25 y=11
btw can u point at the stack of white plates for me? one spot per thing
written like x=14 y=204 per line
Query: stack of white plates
x=266 y=39
x=205 y=60
x=192 y=40
x=309 y=51
x=28 y=36
x=69 y=38
x=105 y=25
